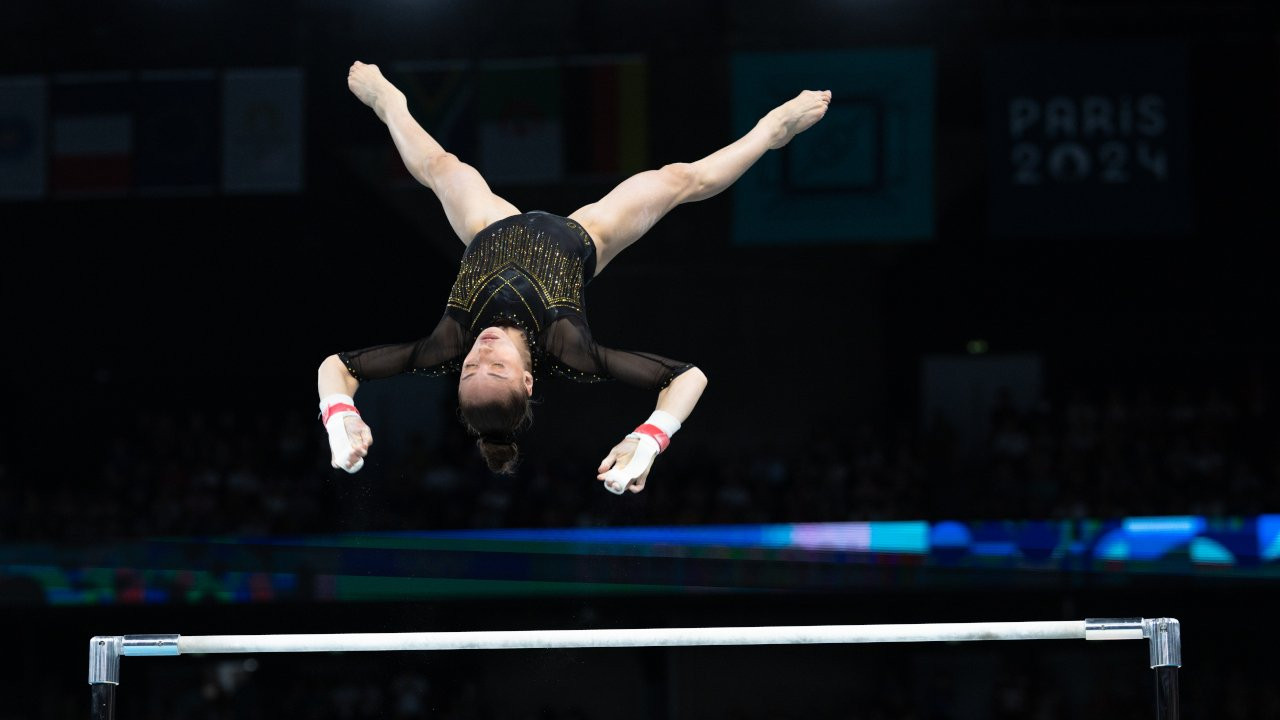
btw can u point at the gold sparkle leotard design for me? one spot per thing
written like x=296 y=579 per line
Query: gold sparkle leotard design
x=528 y=271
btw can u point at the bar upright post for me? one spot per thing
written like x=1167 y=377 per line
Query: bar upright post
x=104 y=676
x=1165 y=638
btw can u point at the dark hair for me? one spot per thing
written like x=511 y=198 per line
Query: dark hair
x=496 y=424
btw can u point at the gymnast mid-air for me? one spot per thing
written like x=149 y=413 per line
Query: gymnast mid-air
x=516 y=308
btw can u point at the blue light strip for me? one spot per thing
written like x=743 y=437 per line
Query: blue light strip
x=890 y=537
x=515 y=561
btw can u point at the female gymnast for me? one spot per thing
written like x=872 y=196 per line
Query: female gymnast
x=516 y=308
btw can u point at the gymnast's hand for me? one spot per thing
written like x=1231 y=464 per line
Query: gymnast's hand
x=627 y=465
x=349 y=444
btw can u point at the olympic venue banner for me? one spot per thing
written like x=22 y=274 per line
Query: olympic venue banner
x=1088 y=139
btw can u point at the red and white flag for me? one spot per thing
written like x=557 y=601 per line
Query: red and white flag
x=92 y=134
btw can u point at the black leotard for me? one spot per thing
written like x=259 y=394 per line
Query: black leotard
x=527 y=271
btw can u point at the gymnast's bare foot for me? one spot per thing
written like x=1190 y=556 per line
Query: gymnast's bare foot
x=797 y=115
x=367 y=83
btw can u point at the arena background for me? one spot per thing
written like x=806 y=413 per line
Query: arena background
x=1000 y=334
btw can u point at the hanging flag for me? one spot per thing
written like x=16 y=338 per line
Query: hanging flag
x=442 y=98
x=22 y=137
x=606 y=116
x=262 y=138
x=521 y=132
x=92 y=134
x=176 y=132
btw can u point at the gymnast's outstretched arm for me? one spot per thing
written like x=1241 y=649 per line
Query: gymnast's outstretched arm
x=627 y=465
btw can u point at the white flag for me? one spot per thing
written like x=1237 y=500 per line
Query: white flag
x=262 y=138
x=22 y=137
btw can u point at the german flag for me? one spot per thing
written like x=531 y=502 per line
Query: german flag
x=606 y=116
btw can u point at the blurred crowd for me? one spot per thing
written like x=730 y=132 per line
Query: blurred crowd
x=1092 y=453
x=1100 y=453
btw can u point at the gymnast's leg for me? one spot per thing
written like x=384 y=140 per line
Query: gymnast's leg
x=468 y=202
x=634 y=206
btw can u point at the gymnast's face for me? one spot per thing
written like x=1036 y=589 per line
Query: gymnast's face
x=496 y=366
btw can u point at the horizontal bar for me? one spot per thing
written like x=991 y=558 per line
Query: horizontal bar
x=143 y=645
x=1115 y=629
x=649 y=637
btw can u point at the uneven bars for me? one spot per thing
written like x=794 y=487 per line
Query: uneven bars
x=645 y=637
x=1163 y=634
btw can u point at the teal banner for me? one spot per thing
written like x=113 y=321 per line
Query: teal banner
x=864 y=174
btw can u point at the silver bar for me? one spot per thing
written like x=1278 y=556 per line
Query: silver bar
x=1114 y=629
x=650 y=637
x=104 y=660
x=149 y=645
x=1165 y=642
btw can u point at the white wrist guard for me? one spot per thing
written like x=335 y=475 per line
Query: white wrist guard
x=334 y=410
x=660 y=427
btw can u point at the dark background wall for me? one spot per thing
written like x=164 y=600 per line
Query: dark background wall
x=128 y=315
x=220 y=296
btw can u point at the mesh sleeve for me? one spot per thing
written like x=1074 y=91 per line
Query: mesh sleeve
x=573 y=354
x=439 y=353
